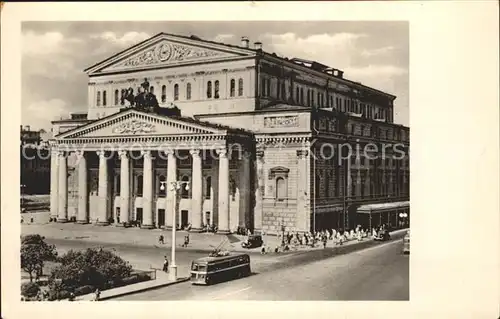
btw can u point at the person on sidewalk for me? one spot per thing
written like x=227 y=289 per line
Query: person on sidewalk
x=186 y=241
x=97 y=294
x=161 y=240
x=165 y=264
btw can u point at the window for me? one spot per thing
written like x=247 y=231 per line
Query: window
x=268 y=87
x=104 y=101
x=188 y=91
x=117 y=184
x=162 y=180
x=184 y=191
x=176 y=92
x=240 y=87
x=308 y=97
x=327 y=185
x=98 y=102
x=283 y=91
x=297 y=95
x=302 y=96
x=164 y=93
x=232 y=88
x=139 y=187
x=280 y=189
x=319 y=100
x=216 y=95
x=208 y=187
x=209 y=89
x=317 y=186
x=278 y=90
x=263 y=87
x=122 y=96
x=331 y=102
x=117 y=93
x=152 y=89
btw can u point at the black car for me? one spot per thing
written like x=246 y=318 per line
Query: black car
x=253 y=241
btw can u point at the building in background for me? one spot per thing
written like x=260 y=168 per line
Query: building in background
x=35 y=161
x=248 y=127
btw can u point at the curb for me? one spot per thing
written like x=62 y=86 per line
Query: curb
x=180 y=280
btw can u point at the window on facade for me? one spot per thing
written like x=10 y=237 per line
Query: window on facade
x=117 y=185
x=209 y=89
x=280 y=188
x=302 y=96
x=319 y=99
x=208 y=187
x=216 y=95
x=240 y=87
x=283 y=91
x=117 y=95
x=104 y=98
x=232 y=89
x=140 y=185
x=188 y=91
x=327 y=185
x=162 y=181
x=308 y=97
x=184 y=191
x=263 y=87
x=176 y=92
x=98 y=101
x=164 y=93
x=268 y=89
x=297 y=95
x=331 y=102
x=122 y=96
x=278 y=90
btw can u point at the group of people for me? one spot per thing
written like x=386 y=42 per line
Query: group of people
x=161 y=240
x=338 y=237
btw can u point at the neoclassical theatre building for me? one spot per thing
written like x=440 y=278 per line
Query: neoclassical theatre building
x=244 y=129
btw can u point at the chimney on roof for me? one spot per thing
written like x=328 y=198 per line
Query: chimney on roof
x=245 y=42
x=258 y=45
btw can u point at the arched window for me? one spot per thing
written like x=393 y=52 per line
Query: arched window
x=216 y=95
x=209 y=89
x=240 y=87
x=104 y=100
x=280 y=189
x=176 y=92
x=117 y=95
x=232 y=88
x=98 y=100
x=162 y=181
x=152 y=89
x=139 y=187
x=122 y=96
x=208 y=187
x=188 y=91
x=184 y=191
x=164 y=93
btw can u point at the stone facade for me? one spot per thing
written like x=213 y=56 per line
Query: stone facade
x=250 y=131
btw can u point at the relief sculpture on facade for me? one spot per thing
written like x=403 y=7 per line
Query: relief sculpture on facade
x=281 y=121
x=164 y=52
x=134 y=127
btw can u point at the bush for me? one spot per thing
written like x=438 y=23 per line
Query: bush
x=92 y=267
x=30 y=289
x=144 y=276
x=84 y=290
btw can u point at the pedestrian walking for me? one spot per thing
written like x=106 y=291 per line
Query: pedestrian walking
x=165 y=264
x=186 y=241
x=161 y=240
x=97 y=295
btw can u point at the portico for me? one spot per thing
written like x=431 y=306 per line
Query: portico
x=120 y=173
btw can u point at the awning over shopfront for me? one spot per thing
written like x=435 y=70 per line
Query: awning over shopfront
x=383 y=207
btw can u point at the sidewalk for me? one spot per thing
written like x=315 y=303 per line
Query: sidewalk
x=161 y=280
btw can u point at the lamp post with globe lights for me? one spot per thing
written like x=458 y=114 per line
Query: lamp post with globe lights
x=403 y=216
x=174 y=187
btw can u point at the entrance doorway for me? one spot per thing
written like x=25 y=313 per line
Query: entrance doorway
x=161 y=217
x=138 y=215
x=184 y=218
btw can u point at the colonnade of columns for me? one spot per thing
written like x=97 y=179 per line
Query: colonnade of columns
x=59 y=189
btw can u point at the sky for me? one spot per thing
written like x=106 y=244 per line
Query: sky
x=54 y=55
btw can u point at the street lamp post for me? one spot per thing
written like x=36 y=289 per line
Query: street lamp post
x=174 y=187
x=403 y=216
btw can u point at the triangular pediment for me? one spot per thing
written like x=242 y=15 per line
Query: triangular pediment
x=135 y=123
x=167 y=50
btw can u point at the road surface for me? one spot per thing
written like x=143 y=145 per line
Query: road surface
x=376 y=273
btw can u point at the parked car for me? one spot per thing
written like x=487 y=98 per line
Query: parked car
x=406 y=243
x=253 y=241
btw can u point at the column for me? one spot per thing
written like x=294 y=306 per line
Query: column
x=197 y=191
x=223 y=226
x=259 y=189
x=171 y=178
x=244 y=178
x=302 y=215
x=124 y=188
x=102 y=191
x=83 y=195
x=54 y=180
x=147 y=192
x=62 y=206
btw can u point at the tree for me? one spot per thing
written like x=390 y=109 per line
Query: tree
x=94 y=267
x=34 y=253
